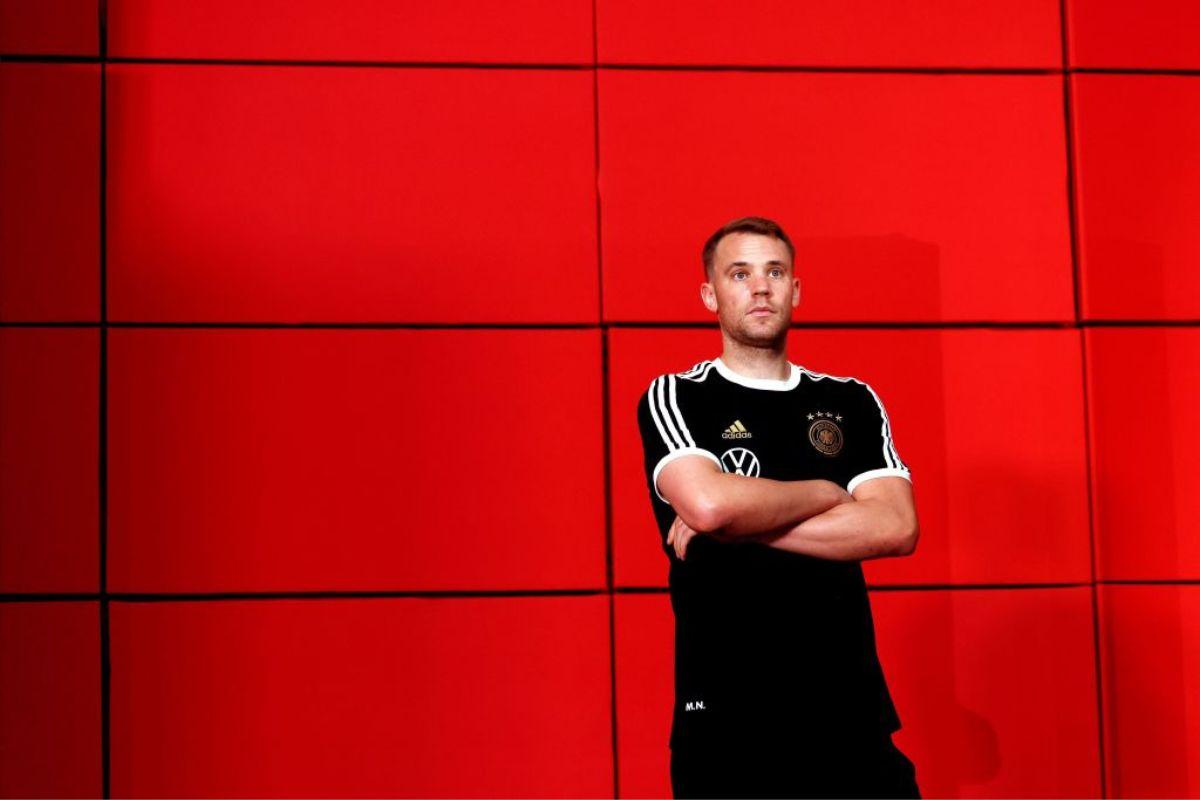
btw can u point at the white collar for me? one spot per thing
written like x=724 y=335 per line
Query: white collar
x=770 y=384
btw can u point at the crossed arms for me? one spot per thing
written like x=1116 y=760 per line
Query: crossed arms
x=817 y=518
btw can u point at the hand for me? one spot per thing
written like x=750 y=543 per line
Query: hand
x=678 y=537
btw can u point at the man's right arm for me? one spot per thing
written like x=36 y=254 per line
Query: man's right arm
x=711 y=501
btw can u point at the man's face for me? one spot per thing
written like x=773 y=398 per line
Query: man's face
x=752 y=289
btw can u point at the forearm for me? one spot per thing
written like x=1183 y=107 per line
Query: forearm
x=853 y=531
x=742 y=506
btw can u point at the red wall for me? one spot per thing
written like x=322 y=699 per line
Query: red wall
x=322 y=327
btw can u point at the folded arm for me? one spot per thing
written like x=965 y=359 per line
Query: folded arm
x=880 y=521
x=711 y=501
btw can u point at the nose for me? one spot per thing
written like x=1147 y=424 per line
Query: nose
x=759 y=285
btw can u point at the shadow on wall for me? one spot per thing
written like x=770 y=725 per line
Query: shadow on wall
x=972 y=754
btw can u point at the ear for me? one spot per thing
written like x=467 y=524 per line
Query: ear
x=795 y=292
x=708 y=296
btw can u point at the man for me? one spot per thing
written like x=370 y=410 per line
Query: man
x=770 y=483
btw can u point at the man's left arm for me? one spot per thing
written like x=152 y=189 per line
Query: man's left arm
x=880 y=521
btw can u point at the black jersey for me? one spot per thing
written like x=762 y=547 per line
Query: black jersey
x=770 y=646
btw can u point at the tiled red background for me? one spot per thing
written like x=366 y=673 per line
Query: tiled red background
x=322 y=327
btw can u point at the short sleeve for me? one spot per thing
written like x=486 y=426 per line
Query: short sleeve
x=666 y=435
x=879 y=456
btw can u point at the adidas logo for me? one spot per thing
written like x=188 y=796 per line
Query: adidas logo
x=736 y=431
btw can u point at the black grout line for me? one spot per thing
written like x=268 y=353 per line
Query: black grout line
x=105 y=619
x=1078 y=296
x=332 y=325
x=34 y=58
x=352 y=594
x=535 y=326
x=1077 y=285
x=352 y=64
x=823 y=68
x=597 y=65
x=606 y=417
x=47 y=58
x=378 y=325
x=48 y=597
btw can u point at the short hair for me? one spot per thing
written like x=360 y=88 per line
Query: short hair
x=759 y=225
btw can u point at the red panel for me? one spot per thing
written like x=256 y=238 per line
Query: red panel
x=991 y=511
x=495 y=697
x=1143 y=384
x=993 y=33
x=49 y=192
x=309 y=193
x=355 y=459
x=1151 y=696
x=909 y=197
x=49 y=452
x=996 y=689
x=50 y=27
x=645 y=640
x=521 y=31
x=50 y=705
x=1138 y=191
x=1151 y=34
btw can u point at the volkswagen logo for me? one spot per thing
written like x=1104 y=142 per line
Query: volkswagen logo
x=740 y=461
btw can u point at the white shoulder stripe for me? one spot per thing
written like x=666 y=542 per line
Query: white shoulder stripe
x=664 y=410
x=667 y=440
x=816 y=376
x=687 y=435
x=698 y=376
x=890 y=457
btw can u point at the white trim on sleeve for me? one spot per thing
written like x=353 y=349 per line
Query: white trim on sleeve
x=674 y=454
x=886 y=472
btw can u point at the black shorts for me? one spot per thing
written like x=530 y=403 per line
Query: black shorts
x=877 y=769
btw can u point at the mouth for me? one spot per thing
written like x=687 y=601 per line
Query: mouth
x=761 y=311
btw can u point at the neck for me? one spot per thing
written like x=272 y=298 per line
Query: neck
x=768 y=361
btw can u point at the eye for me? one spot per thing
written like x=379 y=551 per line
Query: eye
x=777 y=273
x=737 y=276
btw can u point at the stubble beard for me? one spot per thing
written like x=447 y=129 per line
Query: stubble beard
x=773 y=338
